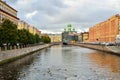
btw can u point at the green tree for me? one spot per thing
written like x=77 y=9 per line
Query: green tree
x=9 y=34
x=25 y=37
x=8 y=31
x=22 y=36
x=46 y=39
x=1 y=35
x=31 y=38
x=37 y=38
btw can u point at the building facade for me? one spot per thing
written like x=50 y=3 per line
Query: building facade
x=24 y=25
x=85 y=36
x=105 y=31
x=55 y=37
x=80 y=37
x=38 y=32
x=69 y=35
x=7 y=12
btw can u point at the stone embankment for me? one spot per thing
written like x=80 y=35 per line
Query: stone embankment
x=110 y=49
x=11 y=55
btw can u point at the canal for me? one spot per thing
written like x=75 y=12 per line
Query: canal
x=64 y=63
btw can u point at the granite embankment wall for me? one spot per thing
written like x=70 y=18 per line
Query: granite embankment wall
x=110 y=49
x=12 y=55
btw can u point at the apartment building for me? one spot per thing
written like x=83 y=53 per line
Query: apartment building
x=105 y=31
x=7 y=12
x=55 y=37
x=24 y=25
x=85 y=36
x=34 y=30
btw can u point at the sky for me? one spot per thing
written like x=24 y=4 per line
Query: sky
x=52 y=16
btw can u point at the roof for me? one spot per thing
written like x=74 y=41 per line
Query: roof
x=7 y=5
x=9 y=14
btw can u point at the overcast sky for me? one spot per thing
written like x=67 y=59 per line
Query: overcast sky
x=54 y=15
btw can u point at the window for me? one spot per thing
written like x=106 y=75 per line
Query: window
x=119 y=24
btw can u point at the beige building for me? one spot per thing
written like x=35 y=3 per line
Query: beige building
x=86 y=37
x=55 y=37
x=23 y=25
x=31 y=29
x=7 y=12
x=34 y=30
x=83 y=37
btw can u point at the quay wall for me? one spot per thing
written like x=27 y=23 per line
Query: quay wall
x=103 y=48
x=12 y=55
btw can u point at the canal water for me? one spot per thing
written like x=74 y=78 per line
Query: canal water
x=64 y=63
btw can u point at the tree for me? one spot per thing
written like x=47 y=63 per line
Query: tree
x=46 y=39
x=8 y=31
x=1 y=35
x=25 y=37
x=37 y=38
x=22 y=37
x=9 y=34
x=31 y=38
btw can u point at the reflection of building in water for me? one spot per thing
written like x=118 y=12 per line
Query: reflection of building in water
x=105 y=60
x=69 y=35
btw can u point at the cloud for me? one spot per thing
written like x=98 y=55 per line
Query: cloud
x=10 y=1
x=54 y=15
x=30 y=15
x=84 y=11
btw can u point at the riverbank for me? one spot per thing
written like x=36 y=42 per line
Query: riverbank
x=11 y=55
x=110 y=49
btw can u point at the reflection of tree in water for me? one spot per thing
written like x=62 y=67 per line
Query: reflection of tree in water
x=106 y=60
x=46 y=50
x=11 y=70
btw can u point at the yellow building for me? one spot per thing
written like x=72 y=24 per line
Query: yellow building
x=31 y=29
x=23 y=25
x=55 y=37
x=85 y=36
x=34 y=30
x=7 y=12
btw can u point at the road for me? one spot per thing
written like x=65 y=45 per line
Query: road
x=64 y=63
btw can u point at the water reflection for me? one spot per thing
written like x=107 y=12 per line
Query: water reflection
x=64 y=63
x=12 y=70
x=106 y=60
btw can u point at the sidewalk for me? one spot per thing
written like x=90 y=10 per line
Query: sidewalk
x=5 y=55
